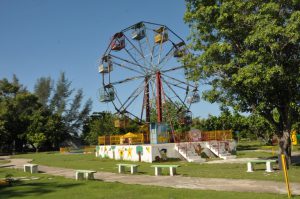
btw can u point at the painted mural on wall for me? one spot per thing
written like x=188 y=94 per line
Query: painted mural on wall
x=142 y=153
x=125 y=152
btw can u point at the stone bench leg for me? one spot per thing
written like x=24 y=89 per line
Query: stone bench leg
x=157 y=171
x=34 y=169
x=121 y=169
x=133 y=169
x=27 y=169
x=172 y=171
x=89 y=176
x=79 y=176
x=269 y=167
x=249 y=167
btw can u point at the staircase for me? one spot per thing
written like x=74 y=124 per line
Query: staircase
x=187 y=151
x=219 y=149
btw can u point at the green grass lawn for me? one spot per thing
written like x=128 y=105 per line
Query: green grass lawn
x=256 y=154
x=234 y=171
x=4 y=161
x=49 y=187
x=259 y=145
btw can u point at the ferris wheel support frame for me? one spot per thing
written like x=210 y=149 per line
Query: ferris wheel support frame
x=147 y=99
x=158 y=97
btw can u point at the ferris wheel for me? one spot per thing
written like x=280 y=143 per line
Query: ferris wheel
x=142 y=70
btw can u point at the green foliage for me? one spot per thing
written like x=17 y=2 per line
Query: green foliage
x=36 y=139
x=42 y=89
x=16 y=105
x=249 y=53
x=39 y=120
x=98 y=124
x=250 y=126
x=173 y=115
x=60 y=103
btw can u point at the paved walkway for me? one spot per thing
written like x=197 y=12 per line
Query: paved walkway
x=174 y=182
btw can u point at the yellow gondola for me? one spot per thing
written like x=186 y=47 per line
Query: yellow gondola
x=162 y=35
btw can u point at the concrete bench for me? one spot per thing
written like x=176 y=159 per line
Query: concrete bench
x=268 y=165
x=133 y=168
x=158 y=169
x=84 y=174
x=32 y=168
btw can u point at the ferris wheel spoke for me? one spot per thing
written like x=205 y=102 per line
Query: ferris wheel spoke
x=152 y=83
x=166 y=55
x=127 y=67
x=178 y=86
x=117 y=96
x=170 y=99
x=151 y=49
x=132 y=95
x=134 y=98
x=133 y=58
x=186 y=83
x=137 y=50
x=160 y=50
x=170 y=87
x=127 y=61
x=141 y=49
x=163 y=64
x=127 y=80
x=172 y=69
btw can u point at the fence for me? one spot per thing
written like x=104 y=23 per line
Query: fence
x=83 y=149
x=139 y=138
x=216 y=135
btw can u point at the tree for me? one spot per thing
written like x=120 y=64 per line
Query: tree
x=173 y=114
x=16 y=107
x=59 y=101
x=249 y=53
x=61 y=93
x=36 y=139
x=42 y=89
x=98 y=124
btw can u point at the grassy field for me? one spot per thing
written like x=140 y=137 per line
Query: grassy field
x=3 y=161
x=49 y=187
x=259 y=145
x=234 y=171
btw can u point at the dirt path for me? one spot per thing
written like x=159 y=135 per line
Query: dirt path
x=174 y=182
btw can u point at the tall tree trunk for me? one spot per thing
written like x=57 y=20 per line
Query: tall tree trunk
x=285 y=145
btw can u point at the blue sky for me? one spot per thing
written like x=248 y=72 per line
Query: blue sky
x=43 y=38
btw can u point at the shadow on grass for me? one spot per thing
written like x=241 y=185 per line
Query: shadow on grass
x=21 y=189
x=248 y=147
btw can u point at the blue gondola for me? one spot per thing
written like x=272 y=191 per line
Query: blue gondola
x=180 y=50
x=107 y=93
x=106 y=65
x=139 y=31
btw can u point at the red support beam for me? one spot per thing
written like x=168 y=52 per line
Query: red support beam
x=147 y=100
x=158 y=97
